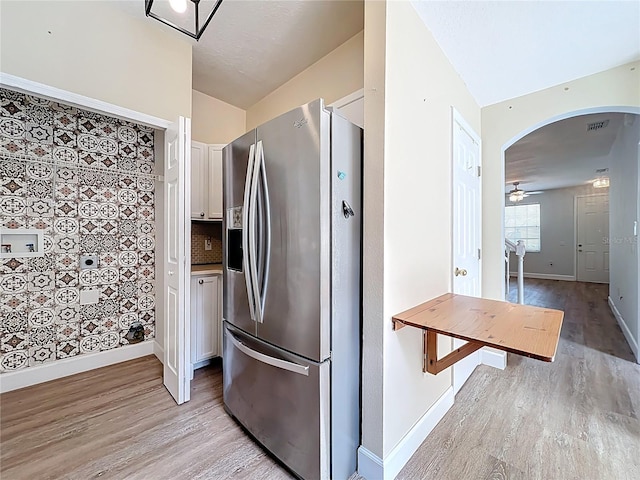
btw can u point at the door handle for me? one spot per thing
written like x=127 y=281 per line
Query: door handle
x=460 y=272
x=246 y=232
x=201 y=281
x=347 y=211
x=274 y=362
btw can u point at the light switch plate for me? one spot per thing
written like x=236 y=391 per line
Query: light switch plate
x=89 y=296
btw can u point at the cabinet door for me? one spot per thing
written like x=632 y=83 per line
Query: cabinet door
x=205 y=318
x=214 y=190
x=198 y=180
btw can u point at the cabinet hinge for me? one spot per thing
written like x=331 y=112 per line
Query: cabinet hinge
x=479 y=254
x=479 y=170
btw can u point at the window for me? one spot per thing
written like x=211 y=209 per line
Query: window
x=522 y=222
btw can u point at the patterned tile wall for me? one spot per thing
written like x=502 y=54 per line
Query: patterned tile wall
x=199 y=232
x=81 y=212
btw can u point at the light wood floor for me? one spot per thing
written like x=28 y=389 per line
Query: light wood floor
x=576 y=418
x=119 y=422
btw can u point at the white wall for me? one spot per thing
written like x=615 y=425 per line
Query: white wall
x=373 y=229
x=215 y=121
x=96 y=50
x=410 y=87
x=505 y=122
x=624 y=208
x=557 y=230
x=334 y=76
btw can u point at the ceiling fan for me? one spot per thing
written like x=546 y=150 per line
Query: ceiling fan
x=517 y=194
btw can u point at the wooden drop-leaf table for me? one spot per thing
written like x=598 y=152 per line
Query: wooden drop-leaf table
x=521 y=329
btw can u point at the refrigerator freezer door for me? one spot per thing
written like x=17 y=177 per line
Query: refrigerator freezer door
x=235 y=162
x=282 y=399
x=296 y=310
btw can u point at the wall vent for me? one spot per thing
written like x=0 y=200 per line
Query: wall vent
x=597 y=125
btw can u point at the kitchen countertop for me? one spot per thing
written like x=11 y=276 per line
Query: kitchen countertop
x=206 y=269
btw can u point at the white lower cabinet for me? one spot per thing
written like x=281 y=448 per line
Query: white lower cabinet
x=206 y=315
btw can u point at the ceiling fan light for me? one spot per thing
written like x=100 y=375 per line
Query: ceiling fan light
x=602 y=182
x=516 y=196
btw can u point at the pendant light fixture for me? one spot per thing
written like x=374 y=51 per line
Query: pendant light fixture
x=190 y=17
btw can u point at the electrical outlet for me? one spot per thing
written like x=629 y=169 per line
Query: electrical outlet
x=207 y=243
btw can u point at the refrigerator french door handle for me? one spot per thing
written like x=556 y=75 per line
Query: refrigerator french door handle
x=274 y=362
x=246 y=233
x=253 y=240
x=267 y=231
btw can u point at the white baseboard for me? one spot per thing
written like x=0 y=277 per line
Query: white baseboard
x=371 y=467
x=493 y=359
x=627 y=333
x=546 y=276
x=158 y=351
x=70 y=366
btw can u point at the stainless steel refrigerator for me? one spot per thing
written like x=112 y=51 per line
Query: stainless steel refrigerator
x=291 y=353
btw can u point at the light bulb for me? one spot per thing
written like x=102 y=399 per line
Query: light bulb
x=179 y=6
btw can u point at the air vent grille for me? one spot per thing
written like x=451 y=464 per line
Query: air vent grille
x=591 y=127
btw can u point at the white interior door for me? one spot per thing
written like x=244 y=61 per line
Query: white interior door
x=592 y=232
x=467 y=223
x=177 y=354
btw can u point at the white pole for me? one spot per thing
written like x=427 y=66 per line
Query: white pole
x=520 y=252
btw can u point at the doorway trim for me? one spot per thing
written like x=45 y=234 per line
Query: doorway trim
x=86 y=103
x=536 y=126
x=346 y=100
x=82 y=363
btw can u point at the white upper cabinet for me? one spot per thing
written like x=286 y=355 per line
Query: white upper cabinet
x=206 y=181
x=198 y=180
x=214 y=210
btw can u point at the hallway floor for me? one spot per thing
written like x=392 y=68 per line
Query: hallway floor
x=576 y=418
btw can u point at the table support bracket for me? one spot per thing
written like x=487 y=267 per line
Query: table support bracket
x=430 y=362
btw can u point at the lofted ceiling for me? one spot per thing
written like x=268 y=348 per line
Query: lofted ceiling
x=505 y=49
x=563 y=154
x=251 y=47
x=501 y=49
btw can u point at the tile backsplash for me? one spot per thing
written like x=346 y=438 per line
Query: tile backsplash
x=200 y=231
x=48 y=181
